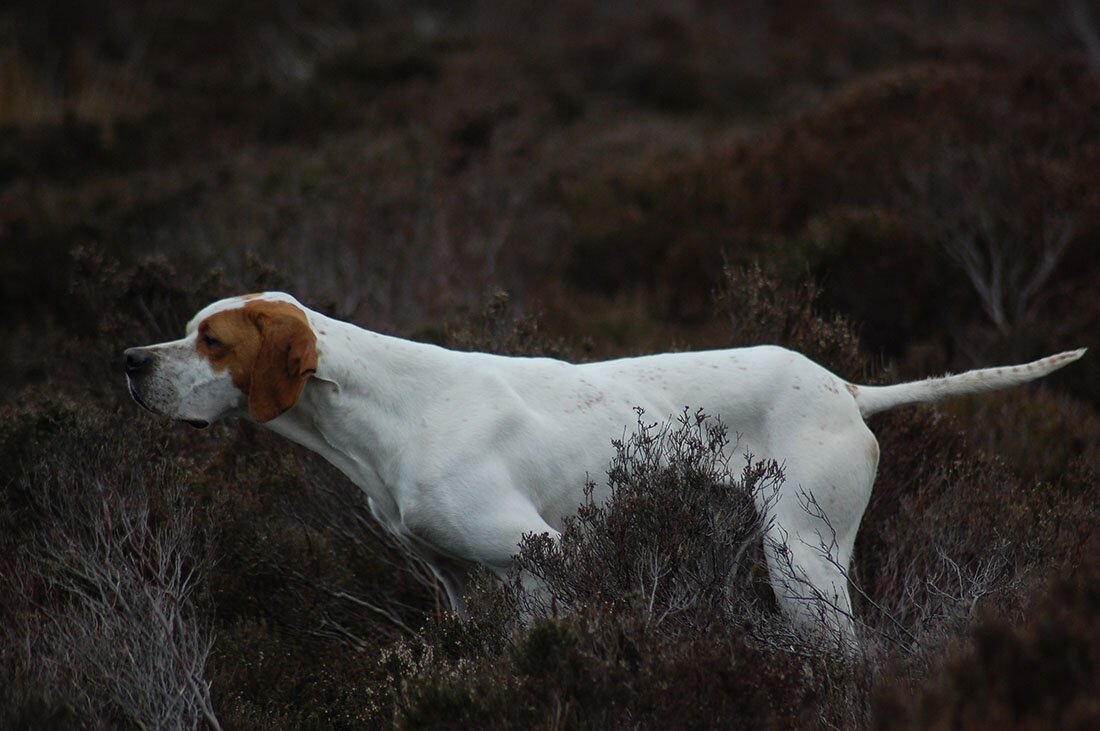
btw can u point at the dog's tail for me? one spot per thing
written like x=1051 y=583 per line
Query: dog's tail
x=873 y=399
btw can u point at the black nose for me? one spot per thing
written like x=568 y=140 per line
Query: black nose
x=137 y=359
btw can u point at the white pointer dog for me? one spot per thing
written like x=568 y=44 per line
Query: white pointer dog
x=461 y=454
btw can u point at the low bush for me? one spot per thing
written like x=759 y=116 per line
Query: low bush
x=104 y=560
x=1040 y=674
x=762 y=309
x=653 y=610
x=496 y=327
x=678 y=540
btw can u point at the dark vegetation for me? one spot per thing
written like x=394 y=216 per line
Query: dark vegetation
x=894 y=190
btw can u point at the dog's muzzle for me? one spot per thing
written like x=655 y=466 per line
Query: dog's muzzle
x=138 y=362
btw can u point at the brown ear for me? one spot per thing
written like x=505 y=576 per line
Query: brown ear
x=286 y=359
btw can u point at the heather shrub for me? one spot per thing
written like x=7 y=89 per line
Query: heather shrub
x=852 y=252
x=918 y=174
x=1039 y=674
x=616 y=673
x=619 y=237
x=762 y=309
x=951 y=530
x=677 y=541
x=307 y=589
x=649 y=611
x=265 y=677
x=301 y=548
x=104 y=560
x=497 y=327
x=1039 y=433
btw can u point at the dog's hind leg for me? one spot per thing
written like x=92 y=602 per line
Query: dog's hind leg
x=812 y=589
x=812 y=531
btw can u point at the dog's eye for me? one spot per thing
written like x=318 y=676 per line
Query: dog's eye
x=211 y=342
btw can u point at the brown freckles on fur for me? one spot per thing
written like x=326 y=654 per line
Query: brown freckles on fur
x=269 y=349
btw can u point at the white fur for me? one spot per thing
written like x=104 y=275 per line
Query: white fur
x=461 y=454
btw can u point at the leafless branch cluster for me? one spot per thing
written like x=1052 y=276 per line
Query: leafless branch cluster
x=937 y=599
x=112 y=628
x=969 y=197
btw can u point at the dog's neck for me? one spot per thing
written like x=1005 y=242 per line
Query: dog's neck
x=361 y=408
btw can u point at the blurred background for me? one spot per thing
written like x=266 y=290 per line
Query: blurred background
x=897 y=189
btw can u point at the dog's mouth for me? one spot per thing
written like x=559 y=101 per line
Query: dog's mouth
x=197 y=423
x=137 y=397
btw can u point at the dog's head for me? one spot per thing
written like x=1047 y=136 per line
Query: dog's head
x=251 y=354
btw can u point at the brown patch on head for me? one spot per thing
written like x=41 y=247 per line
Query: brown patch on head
x=268 y=348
